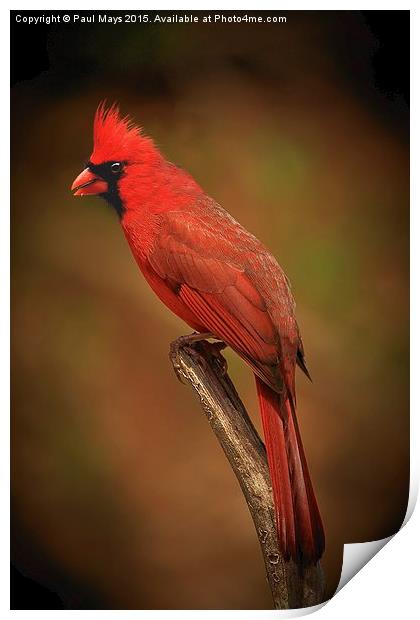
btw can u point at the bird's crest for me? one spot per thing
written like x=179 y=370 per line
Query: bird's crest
x=117 y=138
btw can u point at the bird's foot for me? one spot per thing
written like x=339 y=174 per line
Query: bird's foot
x=184 y=341
x=202 y=339
x=215 y=350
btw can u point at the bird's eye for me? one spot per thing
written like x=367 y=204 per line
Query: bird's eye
x=116 y=167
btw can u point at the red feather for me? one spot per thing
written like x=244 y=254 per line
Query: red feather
x=118 y=139
x=219 y=278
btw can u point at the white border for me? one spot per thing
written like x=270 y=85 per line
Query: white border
x=387 y=586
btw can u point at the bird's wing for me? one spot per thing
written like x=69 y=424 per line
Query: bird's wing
x=220 y=292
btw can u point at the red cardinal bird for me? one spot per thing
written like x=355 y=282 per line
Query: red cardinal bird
x=219 y=279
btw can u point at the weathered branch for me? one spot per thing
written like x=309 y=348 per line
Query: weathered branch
x=291 y=585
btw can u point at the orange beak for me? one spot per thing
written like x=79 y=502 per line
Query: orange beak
x=88 y=184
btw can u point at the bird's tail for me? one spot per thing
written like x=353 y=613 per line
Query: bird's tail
x=299 y=524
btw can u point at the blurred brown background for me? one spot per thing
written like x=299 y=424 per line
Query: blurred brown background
x=121 y=495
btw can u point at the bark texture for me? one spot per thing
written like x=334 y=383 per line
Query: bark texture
x=200 y=363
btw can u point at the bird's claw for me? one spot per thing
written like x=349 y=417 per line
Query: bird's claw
x=213 y=348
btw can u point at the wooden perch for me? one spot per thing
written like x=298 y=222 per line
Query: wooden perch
x=291 y=585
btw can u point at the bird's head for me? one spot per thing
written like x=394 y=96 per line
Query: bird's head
x=120 y=150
